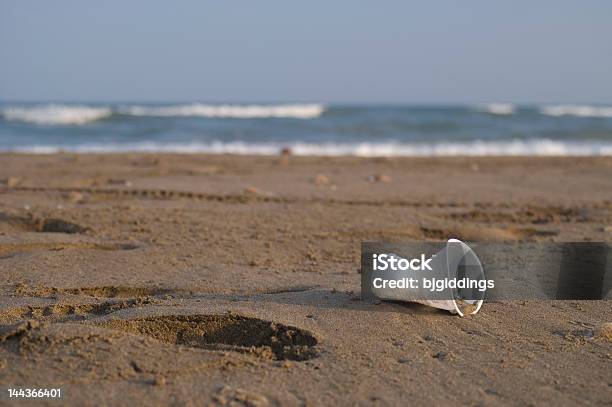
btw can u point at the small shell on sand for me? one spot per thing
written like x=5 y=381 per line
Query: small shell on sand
x=119 y=182
x=252 y=191
x=11 y=181
x=321 y=179
x=604 y=331
x=75 y=197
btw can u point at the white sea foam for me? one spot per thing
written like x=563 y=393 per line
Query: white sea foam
x=297 y=111
x=577 y=110
x=56 y=114
x=499 y=108
x=536 y=147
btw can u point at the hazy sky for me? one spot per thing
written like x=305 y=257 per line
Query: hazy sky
x=328 y=51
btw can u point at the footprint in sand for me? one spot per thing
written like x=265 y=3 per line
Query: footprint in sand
x=13 y=223
x=228 y=332
x=255 y=336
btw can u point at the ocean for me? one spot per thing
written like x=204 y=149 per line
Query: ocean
x=308 y=129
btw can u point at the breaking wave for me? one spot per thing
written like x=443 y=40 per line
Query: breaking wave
x=499 y=108
x=296 y=111
x=56 y=114
x=577 y=110
x=535 y=147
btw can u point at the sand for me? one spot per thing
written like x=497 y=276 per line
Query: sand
x=135 y=279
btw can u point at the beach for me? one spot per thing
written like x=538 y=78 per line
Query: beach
x=197 y=279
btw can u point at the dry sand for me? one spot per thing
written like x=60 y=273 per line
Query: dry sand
x=220 y=280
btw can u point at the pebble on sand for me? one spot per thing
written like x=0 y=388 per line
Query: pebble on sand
x=75 y=197
x=252 y=191
x=321 y=179
x=604 y=331
x=442 y=355
x=379 y=178
x=285 y=153
x=122 y=182
x=11 y=181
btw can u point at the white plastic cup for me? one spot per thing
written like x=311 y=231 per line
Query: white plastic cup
x=445 y=264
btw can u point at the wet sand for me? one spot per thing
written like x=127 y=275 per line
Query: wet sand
x=224 y=280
